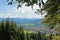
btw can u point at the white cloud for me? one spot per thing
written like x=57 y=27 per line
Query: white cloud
x=24 y=12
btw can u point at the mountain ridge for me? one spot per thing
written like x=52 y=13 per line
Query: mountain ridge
x=34 y=21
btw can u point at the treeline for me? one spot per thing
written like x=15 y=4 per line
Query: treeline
x=9 y=30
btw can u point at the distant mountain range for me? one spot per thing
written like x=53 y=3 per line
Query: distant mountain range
x=34 y=21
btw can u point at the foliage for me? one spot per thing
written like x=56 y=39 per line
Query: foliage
x=52 y=17
x=9 y=30
x=28 y=2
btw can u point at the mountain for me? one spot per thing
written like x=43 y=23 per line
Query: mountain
x=34 y=21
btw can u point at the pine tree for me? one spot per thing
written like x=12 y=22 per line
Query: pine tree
x=7 y=29
x=2 y=36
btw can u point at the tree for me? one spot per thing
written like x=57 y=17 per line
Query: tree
x=13 y=30
x=33 y=36
x=52 y=18
x=20 y=33
x=2 y=30
x=7 y=31
x=28 y=2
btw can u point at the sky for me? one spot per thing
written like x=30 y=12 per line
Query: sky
x=11 y=11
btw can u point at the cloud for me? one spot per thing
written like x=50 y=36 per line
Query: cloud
x=24 y=12
x=44 y=1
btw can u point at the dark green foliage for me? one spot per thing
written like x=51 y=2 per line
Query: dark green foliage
x=2 y=30
x=52 y=7
x=29 y=2
x=40 y=36
x=9 y=31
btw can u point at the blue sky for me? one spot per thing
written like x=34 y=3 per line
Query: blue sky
x=12 y=11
